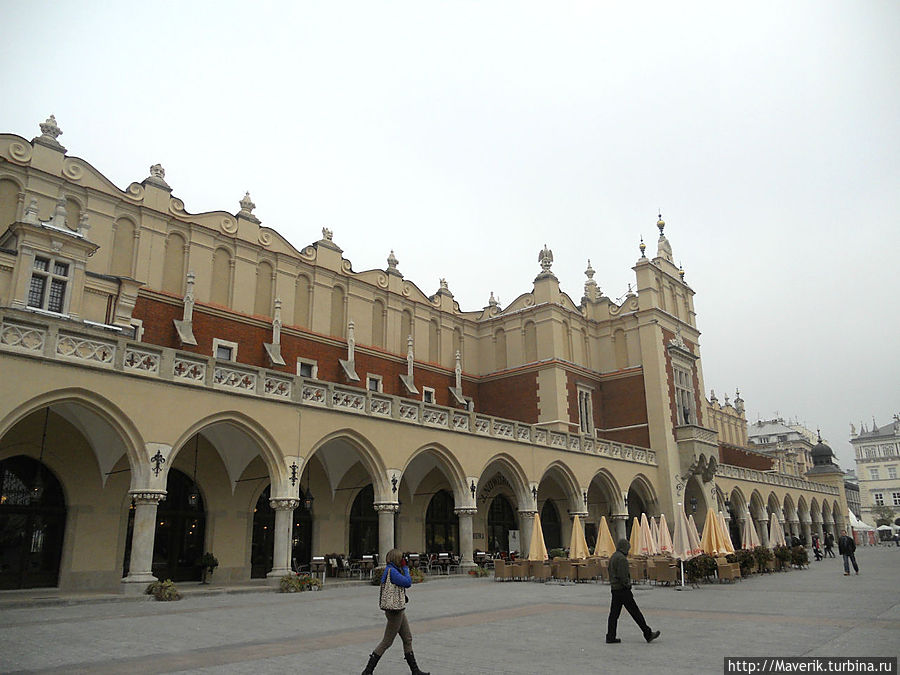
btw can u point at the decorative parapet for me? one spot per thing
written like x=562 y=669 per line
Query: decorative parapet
x=33 y=334
x=778 y=479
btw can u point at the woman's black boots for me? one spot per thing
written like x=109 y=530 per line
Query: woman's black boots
x=413 y=667
x=370 y=666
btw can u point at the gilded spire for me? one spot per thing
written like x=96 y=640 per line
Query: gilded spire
x=643 y=247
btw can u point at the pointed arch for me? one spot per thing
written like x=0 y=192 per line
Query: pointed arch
x=565 y=477
x=100 y=408
x=448 y=464
x=610 y=487
x=368 y=455
x=518 y=478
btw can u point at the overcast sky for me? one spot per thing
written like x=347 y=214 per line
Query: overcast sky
x=466 y=135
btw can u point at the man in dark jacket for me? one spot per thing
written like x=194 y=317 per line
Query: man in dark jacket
x=829 y=544
x=847 y=548
x=620 y=583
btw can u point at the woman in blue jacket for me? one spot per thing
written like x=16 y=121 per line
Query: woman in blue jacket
x=396 y=618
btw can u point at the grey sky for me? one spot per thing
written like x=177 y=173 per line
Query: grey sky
x=466 y=135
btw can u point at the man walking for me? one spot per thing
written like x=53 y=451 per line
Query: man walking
x=620 y=584
x=847 y=548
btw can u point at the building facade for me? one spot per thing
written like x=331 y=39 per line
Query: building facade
x=788 y=445
x=193 y=382
x=877 y=451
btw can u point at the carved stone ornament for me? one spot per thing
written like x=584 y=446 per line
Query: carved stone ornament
x=147 y=497
x=247 y=204
x=50 y=131
x=392 y=264
x=284 y=504
x=545 y=258
x=327 y=234
x=387 y=508
x=158 y=177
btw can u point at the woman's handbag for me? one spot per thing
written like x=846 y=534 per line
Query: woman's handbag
x=392 y=595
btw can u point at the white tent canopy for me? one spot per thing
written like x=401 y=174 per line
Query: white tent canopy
x=856 y=523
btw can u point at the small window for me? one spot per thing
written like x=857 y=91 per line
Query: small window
x=374 y=383
x=873 y=474
x=585 y=411
x=879 y=498
x=307 y=368
x=428 y=394
x=224 y=350
x=895 y=496
x=892 y=472
x=49 y=281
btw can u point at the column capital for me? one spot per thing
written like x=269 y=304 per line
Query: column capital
x=582 y=514
x=284 y=504
x=465 y=511
x=527 y=512
x=387 y=508
x=147 y=497
x=618 y=516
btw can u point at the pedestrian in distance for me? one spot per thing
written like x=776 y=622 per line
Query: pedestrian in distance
x=393 y=599
x=847 y=548
x=620 y=585
x=817 y=548
x=829 y=544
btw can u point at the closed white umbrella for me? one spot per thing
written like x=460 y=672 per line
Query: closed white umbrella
x=726 y=533
x=665 y=539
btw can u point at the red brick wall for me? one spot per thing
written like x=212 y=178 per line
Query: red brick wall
x=513 y=397
x=730 y=454
x=158 y=315
x=624 y=403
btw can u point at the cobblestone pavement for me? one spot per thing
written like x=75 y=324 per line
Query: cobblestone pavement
x=463 y=625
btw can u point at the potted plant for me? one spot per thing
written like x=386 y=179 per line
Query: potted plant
x=163 y=590
x=799 y=556
x=208 y=564
x=763 y=557
x=782 y=557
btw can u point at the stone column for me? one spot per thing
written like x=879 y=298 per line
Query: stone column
x=763 y=530
x=818 y=528
x=142 y=536
x=281 y=559
x=386 y=514
x=743 y=523
x=526 y=524
x=618 y=529
x=807 y=534
x=466 y=545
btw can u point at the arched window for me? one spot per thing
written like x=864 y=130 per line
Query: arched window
x=500 y=349
x=262 y=305
x=501 y=519
x=364 y=524
x=220 y=293
x=301 y=301
x=180 y=531
x=73 y=213
x=123 y=249
x=32 y=524
x=530 y=342
x=406 y=329
x=567 y=341
x=551 y=525
x=173 y=265
x=338 y=325
x=378 y=323
x=621 y=347
x=434 y=342
x=441 y=524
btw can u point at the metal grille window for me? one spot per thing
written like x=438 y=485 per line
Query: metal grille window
x=49 y=280
x=684 y=396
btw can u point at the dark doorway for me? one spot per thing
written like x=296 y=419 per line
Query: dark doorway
x=636 y=507
x=364 y=524
x=441 y=524
x=551 y=525
x=262 y=547
x=501 y=519
x=32 y=524
x=180 y=531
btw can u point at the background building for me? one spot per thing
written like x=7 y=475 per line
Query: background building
x=194 y=382
x=788 y=445
x=877 y=452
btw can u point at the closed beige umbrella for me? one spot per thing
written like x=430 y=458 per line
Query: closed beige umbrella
x=537 y=549
x=635 y=539
x=682 y=547
x=694 y=536
x=665 y=539
x=776 y=532
x=646 y=540
x=747 y=540
x=654 y=535
x=711 y=542
x=605 y=545
x=726 y=534
x=578 y=548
